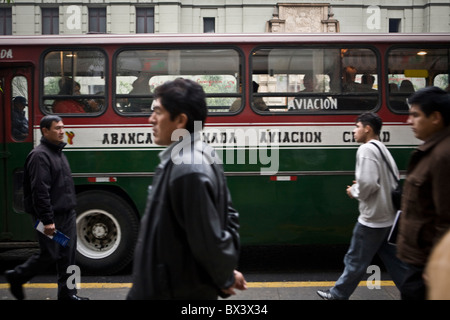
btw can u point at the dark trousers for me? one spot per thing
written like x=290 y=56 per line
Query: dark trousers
x=413 y=287
x=51 y=252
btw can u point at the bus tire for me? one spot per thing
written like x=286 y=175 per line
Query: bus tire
x=107 y=229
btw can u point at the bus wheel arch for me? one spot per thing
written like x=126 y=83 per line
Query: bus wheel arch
x=107 y=227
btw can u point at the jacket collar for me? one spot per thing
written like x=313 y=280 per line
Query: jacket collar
x=435 y=139
x=52 y=146
x=192 y=140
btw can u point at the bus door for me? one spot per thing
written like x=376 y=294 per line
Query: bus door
x=16 y=138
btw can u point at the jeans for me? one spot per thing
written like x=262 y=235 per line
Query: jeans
x=365 y=243
x=413 y=287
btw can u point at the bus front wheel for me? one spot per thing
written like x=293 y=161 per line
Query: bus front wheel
x=107 y=228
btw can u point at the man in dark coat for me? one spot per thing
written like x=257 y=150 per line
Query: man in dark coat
x=49 y=195
x=425 y=200
x=188 y=244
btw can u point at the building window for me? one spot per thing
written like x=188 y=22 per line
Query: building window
x=50 y=21
x=5 y=21
x=209 y=25
x=145 y=18
x=394 y=25
x=97 y=20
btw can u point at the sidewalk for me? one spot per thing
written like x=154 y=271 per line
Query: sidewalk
x=289 y=290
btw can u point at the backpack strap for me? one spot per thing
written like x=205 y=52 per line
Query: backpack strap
x=387 y=162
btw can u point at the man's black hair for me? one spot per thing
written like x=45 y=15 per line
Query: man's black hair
x=46 y=122
x=184 y=96
x=430 y=99
x=371 y=119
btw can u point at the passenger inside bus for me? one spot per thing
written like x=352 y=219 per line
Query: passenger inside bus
x=19 y=120
x=367 y=81
x=69 y=87
x=349 y=101
x=257 y=102
x=309 y=82
x=140 y=86
x=406 y=86
x=348 y=80
x=398 y=96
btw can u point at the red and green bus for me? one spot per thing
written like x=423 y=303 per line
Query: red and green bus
x=282 y=109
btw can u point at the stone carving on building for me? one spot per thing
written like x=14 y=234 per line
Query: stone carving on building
x=303 y=18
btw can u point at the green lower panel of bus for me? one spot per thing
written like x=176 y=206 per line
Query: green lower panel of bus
x=253 y=161
x=298 y=209
x=294 y=209
x=302 y=202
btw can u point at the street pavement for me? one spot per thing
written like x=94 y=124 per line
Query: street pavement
x=273 y=274
x=41 y=288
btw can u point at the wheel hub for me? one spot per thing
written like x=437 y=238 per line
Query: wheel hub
x=100 y=230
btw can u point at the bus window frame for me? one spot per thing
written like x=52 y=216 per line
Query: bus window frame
x=338 y=46
x=387 y=73
x=242 y=66
x=43 y=97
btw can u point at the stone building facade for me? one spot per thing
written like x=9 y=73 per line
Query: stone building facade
x=25 y=17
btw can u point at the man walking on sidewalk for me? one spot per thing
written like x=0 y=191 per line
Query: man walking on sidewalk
x=49 y=195
x=372 y=189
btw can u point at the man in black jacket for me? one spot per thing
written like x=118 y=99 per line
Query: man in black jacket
x=49 y=195
x=188 y=245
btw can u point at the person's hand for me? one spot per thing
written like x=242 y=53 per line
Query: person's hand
x=239 y=283
x=349 y=190
x=49 y=229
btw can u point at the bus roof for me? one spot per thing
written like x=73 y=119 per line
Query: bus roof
x=256 y=38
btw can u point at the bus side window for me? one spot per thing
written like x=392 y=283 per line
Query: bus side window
x=74 y=82
x=315 y=80
x=140 y=71
x=411 y=69
x=19 y=106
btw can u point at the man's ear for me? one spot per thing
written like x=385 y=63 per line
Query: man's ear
x=182 y=120
x=436 y=118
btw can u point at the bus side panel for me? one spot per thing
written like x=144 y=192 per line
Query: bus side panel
x=305 y=201
x=128 y=171
x=305 y=210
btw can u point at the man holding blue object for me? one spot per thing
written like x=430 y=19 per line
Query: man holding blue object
x=49 y=196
